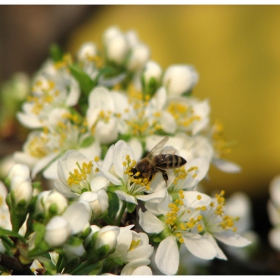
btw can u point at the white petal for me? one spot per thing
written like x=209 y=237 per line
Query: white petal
x=67 y=163
x=274 y=238
x=24 y=158
x=121 y=150
x=273 y=213
x=191 y=199
x=136 y=147
x=150 y=223
x=91 y=151
x=199 y=246
x=50 y=172
x=109 y=176
x=77 y=216
x=42 y=163
x=231 y=238
x=167 y=122
x=61 y=188
x=226 y=166
x=274 y=190
x=57 y=231
x=74 y=93
x=107 y=132
x=203 y=166
x=167 y=256
x=126 y=197
x=155 y=197
x=98 y=183
x=220 y=253
x=108 y=160
x=132 y=266
x=30 y=121
x=142 y=270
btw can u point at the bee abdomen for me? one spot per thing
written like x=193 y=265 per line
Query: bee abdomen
x=168 y=161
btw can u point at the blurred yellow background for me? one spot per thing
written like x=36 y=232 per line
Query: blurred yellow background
x=236 y=51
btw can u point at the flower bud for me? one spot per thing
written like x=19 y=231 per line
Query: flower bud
x=179 y=79
x=110 y=33
x=87 y=52
x=73 y=252
x=19 y=170
x=107 y=240
x=117 y=49
x=51 y=202
x=58 y=231
x=151 y=76
x=98 y=202
x=21 y=190
x=138 y=57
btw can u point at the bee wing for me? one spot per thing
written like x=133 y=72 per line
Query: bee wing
x=158 y=147
x=169 y=150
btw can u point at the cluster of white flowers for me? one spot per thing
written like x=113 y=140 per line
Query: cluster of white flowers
x=273 y=208
x=92 y=119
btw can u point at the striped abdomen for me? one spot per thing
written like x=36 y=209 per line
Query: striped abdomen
x=168 y=161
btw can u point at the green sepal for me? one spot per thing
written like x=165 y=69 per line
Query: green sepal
x=87 y=141
x=103 y=251
x=49 y=266
x=40 y=245
x=187 y=94
x=36 y=185
x=130 y=207
x=56 y=52
x=53 y=209
x=17 y=213
x=91 y=244
x=114 y=188
x=157 y=239
x=109 y=264
x=85 y=232
x=7 y=183
x=85 y=82
x=118 y=261
x=114 y=204
x=10 y=233
x=74 y=241
x=149 y=88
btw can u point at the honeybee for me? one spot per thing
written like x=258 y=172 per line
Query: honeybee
x=158 y=160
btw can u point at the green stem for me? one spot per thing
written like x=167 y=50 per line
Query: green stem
x=121 y=213
x=60 y=263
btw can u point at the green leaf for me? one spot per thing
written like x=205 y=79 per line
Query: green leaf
x=87 y=141
x=6 y=232
x=113 y=204
x=56 y=52
x=130 y=207
x=40 y=249
x=50 y=268
x=40 y=230
x=85 y=82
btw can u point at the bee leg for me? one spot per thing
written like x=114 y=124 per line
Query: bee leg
x=164 y=175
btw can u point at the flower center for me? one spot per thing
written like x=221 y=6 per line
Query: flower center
x=221 y=145
x=80 y=176
x=180 y=219
x=182 y=114
x=140 y=123
x=136 y=183
x=134 y=244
